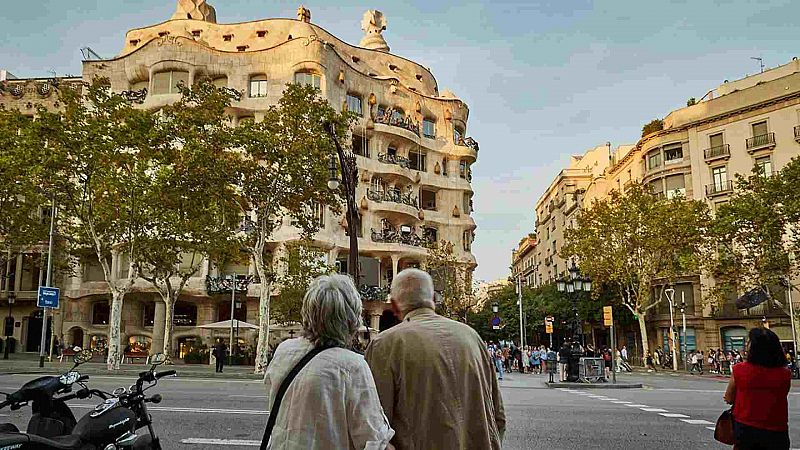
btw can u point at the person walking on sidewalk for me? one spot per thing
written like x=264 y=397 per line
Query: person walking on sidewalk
x=758 y=390
x=220 y=353
x=434 y=378
x=695 y=360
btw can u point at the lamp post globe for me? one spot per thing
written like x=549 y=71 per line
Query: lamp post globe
x=495 y=308
x=561 y=284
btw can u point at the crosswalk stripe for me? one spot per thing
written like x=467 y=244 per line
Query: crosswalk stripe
x=655 y=410
x=674 y=415
x=697 y=422
x=637 y=406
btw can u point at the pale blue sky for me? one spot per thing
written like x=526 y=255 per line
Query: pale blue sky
x=543 y=79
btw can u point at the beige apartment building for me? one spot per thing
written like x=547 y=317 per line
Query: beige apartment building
x=742 y=124
x=413 y=155
x=524 y=259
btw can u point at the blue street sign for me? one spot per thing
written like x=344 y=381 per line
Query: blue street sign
x=48 y=297
x=495 y=321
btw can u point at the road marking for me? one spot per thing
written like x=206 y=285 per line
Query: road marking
x=239 y=442
x=253 y=412
x=248 y=396
x=621 y=402
x=697 y=422
x=609 y=399
x=655 y=410
x=674 y=415
x=638 y=406
x=711 y=428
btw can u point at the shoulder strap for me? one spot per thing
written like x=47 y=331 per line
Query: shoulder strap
x=273 y=412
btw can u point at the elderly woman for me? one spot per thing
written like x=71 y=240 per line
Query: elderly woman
x=332 y=403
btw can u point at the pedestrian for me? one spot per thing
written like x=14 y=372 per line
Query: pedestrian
x=606 y=353
x=220 y=353
x=434 y=380
x=543 y=357
x=695 y=360
x=536 y=360
x=758 y=390
x=526 y=359
x=624 y=353
x=651 y=366
x=332 y=402
x=499 y=362
x=657 y=357
x=563 y=356
x=507 y=358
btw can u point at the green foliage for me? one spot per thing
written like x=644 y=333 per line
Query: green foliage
x=652 y=126
x=691 y=102
x=452 y=279
x=301 y=264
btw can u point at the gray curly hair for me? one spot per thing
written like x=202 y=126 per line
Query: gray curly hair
x=331 y=310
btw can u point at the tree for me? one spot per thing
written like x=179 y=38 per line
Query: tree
x=284 y=173
x=635 y=241
x=193 y=215
x=92 y=170
x=301 y=264
x=754 y=235
x=652 y=126
x=453 y=281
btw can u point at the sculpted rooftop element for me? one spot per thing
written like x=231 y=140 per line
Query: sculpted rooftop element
x=304 y=14
x=373 y=24
x=196 y=10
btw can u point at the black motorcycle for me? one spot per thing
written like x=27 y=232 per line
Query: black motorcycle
x=111 y=425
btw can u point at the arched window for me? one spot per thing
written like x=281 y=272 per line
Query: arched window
x=458 y=135
x=428 y=128
x=258 y=86
x=308 y=79
x=354 y=104
x=167 y=82
x=185 y=314
x=220 y=82
x=100 y=313
x=377 y=185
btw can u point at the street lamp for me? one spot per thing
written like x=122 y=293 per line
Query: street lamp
x=495 y=308
x=683 y=343
x=349 y=171
x=9 y=325
x=574 y=284
x=670 y=293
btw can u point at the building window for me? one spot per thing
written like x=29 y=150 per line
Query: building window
x=258 y=86
x=100 y=313
x=417 y=160
x=467 y=204
x=463 y=169
x=764 y=166
x=354 y=104
x=468 y=237
x=719 y=175
x=185 y=314
x=673 y=153
x=444 y=167
x=167 y=82
x=654 y=160
x=381 y=111
x=220 y=82
x=391 y=151
x=716 y=141
x=428 y=128
x=361 y=146
x=657 y=188
x=427 y=199
x=398 y=115
x=760 y=128
x=458 y=135
x=319 y=214
x=430 y=234
x=308 y=79
x=676 y=185
x=376 y=185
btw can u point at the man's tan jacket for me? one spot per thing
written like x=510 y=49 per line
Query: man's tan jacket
x=437 y=384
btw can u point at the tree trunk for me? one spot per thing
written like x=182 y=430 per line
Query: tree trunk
x=169 y=327
x=643 y=331
x=115 y=323
x=264 y=292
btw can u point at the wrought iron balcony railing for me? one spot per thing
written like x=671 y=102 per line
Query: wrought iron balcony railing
x=468 y=142
x=719 y=151
x=394 y=159
x=390 y=236
x=390 y=118
x=760 y=141
x=719 y=188
x=373 y=293
x=394 y=196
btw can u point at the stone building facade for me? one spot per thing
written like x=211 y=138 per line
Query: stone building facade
x=747 y=123
x=413 y=155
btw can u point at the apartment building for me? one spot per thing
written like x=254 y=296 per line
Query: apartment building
x=524 y=260
x=413 y=153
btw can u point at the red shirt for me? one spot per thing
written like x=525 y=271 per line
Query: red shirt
x=761 y=396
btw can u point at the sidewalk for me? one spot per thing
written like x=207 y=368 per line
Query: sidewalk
x=22 y=363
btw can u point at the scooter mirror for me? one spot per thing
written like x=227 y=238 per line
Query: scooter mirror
x=157 y=359
x=82 y=357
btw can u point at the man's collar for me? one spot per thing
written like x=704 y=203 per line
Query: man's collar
x=417 y=312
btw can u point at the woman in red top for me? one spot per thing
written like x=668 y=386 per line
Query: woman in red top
x=758 y=391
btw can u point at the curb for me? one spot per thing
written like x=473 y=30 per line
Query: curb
x=594 y=385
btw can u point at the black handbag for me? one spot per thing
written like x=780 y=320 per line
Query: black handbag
x=273 y=412
x=723 y=431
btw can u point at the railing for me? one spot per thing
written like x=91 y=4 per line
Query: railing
x=394 y=159
x=468 y=142
x=766 y=309
x=394 y=237
x=763 y=140
x=719 y=188
x=373 y=293
x=394 y=196
x=797 y=133
x=389 y=118
x=718 y=151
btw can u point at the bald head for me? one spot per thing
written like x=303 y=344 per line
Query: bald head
x=412 y=289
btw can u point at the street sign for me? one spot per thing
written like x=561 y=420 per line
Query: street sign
x=48 y=297
x=495 y=323
x=608 y=316
x=548 y=324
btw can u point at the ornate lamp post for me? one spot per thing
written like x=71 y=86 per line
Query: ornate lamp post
x=573 y=285
x=670 y=293
x=9 y=325
x=349 y=181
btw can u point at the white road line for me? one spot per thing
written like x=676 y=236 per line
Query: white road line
x=655 y=410
x=248 y=396
x=239 y=442
x=698 y=422
x=674 y=415
x=253 y=412
x=609 y=399
x=621 y=402
x=638 y=406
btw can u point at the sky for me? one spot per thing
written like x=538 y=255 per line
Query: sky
x=543 y=79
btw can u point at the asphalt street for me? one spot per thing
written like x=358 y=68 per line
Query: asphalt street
x=669 y=413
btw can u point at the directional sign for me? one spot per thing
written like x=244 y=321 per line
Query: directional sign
x=608 y=316
x=548 y=328
x=48 y=297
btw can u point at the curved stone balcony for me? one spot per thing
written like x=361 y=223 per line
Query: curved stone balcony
x=402 y=237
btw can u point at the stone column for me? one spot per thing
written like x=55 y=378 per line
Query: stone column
x=374 y=322
x=18 y=273
x=159 y=318
x=395 y=264
x=332 y=255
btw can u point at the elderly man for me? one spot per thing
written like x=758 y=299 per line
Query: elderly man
x=434 y=377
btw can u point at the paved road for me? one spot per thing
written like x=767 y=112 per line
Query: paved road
x=669 y=413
